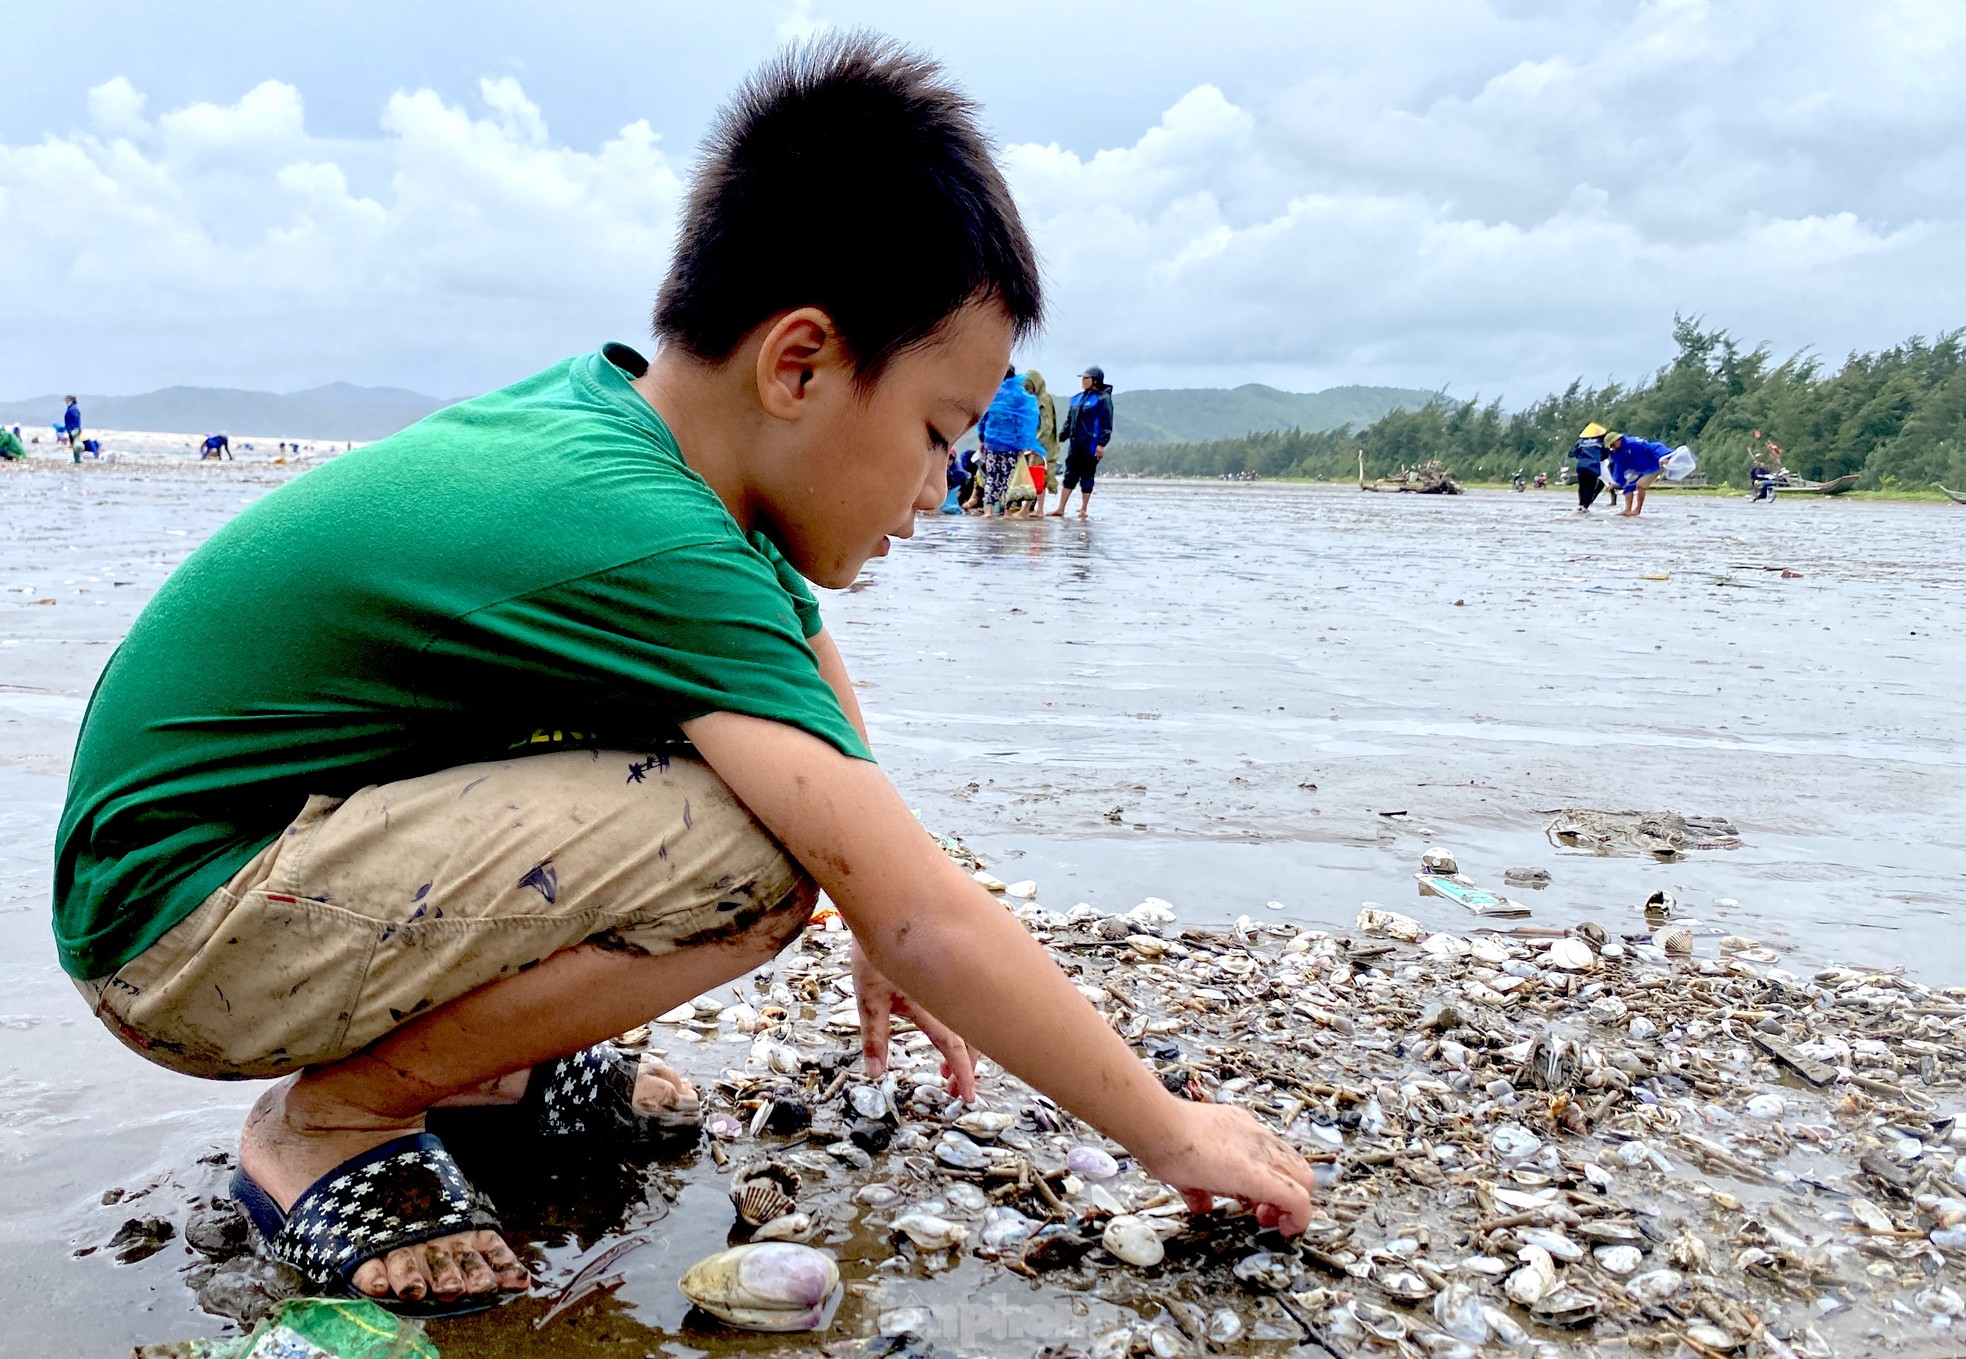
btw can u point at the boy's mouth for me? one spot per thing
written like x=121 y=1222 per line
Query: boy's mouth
x=881 y=548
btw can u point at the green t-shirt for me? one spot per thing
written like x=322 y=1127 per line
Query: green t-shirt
x=535 y=566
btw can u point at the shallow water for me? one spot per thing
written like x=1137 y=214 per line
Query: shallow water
x=1212 y=694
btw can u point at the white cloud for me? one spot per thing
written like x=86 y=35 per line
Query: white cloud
x=1493 y=202
x=232 y=246
x=116 y=106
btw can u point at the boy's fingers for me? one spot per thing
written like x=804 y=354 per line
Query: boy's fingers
x=959 y=1062
x=874 y=1030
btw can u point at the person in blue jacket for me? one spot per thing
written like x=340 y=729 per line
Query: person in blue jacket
x=71 y=428
x=1087 y=430
x=215 y=446
x=1010 y=427
x=1634 y=465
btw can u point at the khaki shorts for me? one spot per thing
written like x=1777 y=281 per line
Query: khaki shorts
x=374 y=908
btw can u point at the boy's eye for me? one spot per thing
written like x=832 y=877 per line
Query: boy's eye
x=936 y=441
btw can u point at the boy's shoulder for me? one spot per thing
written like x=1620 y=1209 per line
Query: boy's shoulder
x=565 y=474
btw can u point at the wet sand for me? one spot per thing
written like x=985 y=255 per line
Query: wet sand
x=1211 y=694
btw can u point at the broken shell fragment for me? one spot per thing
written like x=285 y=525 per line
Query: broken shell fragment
x=1391 y=924
x=774 y=1286
x=1534 y=1280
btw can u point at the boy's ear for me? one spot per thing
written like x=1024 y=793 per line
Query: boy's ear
x=797 y=348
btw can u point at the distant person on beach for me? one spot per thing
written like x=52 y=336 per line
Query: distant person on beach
x=11 y=449
x=1088 y=429
x=1634 y=465
x=435 y=769
x=1588 y=454
x=1047 y=472
x=1010 y=427
x=71 y=428
x=215 y=446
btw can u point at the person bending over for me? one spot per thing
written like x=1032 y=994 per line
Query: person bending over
x=1634 y=465
x=441 y=764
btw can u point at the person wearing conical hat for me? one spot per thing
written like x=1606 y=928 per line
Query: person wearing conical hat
x=1588 y=452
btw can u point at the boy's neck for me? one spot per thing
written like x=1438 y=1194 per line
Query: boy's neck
x=714 y=418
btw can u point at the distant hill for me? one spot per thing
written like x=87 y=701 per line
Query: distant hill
x=1193 y=414
x=339 y=410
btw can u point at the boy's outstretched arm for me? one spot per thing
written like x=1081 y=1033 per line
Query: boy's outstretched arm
x=951 y=947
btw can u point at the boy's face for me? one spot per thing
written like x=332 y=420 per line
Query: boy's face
x=870 y=459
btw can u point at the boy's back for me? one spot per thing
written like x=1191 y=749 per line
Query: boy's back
x=540 y=554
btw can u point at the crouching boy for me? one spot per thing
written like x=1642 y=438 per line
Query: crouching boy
x=457 y=755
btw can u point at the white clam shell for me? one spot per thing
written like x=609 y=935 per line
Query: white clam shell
x=1572 y=955
x=1133 y=1239
x=769 y=1286
x=984 y=1124
x=1618 y=1261
x=931 y=1232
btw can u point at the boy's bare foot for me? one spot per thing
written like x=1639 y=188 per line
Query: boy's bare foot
x=1058 y=513
x=291 y=1140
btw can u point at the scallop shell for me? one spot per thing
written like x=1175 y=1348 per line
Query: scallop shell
x=1675 y=939
x=764 y=1191
x=771 y=1286
x=1133 y=1239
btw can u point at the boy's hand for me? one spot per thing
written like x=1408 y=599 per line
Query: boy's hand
x=879 y=999
x=1220 y=1149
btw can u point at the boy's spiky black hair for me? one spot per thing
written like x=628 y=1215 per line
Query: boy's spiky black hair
x=848 y=175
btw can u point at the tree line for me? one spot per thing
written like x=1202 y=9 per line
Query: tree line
x=1897 y=417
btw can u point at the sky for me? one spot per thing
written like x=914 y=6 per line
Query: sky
x=1488 y=197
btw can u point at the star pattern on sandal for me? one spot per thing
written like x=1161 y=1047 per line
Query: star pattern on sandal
x=412 y=1196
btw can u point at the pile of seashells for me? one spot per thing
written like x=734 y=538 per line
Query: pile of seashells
x=1532 y=1140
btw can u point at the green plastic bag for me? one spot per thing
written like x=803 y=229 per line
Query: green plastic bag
x=312 y=1328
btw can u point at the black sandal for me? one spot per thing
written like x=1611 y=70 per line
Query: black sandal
x=592 y=1094
x=402 y=1193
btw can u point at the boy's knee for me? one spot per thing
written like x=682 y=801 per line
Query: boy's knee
x=783 y=923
